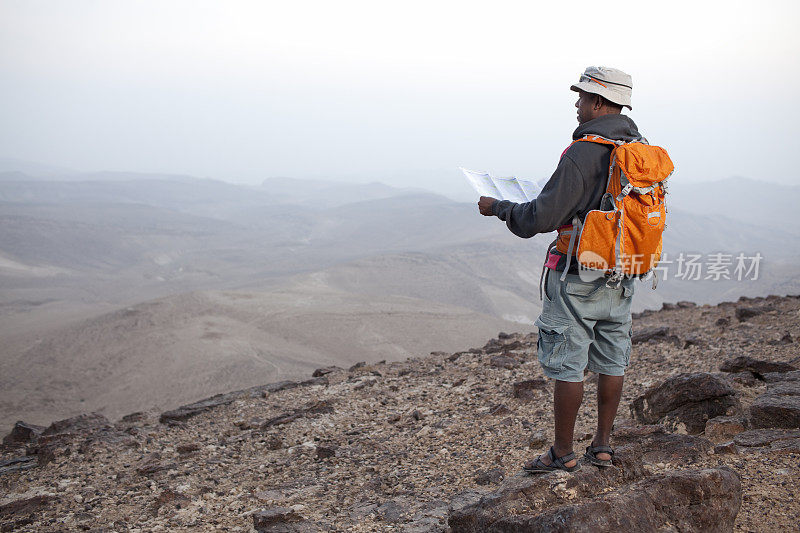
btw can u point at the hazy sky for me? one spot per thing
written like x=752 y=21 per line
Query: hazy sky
x=400 y=92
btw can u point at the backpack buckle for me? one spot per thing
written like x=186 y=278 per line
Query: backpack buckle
x=614 y=281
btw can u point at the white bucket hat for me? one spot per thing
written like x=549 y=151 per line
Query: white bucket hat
x=610 y=83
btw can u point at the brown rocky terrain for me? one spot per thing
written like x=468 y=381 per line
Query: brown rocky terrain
x=707 y=439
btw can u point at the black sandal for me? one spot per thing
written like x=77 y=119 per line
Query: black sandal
x=591 y=455
x=556 y=463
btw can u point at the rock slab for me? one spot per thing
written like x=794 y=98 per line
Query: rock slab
x=521 y=494
x=759 y=367
x=691 y=500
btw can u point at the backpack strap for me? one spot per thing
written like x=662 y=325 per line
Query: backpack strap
x=616 y=277
x=600 y=140
x=574 y=232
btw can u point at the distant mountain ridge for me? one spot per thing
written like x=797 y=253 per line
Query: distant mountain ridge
x=755 y=202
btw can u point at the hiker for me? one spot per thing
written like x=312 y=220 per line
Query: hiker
x=586 y=320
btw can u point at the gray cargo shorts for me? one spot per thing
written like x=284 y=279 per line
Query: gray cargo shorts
x=584 y=324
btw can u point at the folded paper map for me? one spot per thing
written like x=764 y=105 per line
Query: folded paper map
x=514 y=189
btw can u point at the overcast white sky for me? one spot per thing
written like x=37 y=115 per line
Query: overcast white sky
x=400 y=92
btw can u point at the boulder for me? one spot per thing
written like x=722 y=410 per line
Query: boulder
x=745 y=313
x=771 y=377
x=27 y=506
x=647 y=334
x=60 y=437
x=688 y=399
x=764 y=437
x=758 y=367
x=728 y=448
x=779 y=407
x=22 y=433
x=493 y=346
x=108 y=437
x=745 y=378
x=326 y=370
x=723 y=427
x=786 y=446
x=48 y=447
x=81 y=424
x=692 y=340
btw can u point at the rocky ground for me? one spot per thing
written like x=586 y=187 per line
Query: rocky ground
x=706 y=439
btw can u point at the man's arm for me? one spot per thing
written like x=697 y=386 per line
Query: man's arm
x=555 y=205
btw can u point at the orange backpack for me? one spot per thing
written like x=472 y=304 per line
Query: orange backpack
x=624 y=236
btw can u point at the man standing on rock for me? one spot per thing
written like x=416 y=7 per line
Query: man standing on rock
x=584 y=323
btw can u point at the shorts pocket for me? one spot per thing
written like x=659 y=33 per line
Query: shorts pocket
x=585 y=290
x=551 y=346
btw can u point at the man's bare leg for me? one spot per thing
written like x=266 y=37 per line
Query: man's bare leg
x=567 y=398
x=609 y=392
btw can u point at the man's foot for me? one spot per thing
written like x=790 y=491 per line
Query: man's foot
x=550 y=462
x=598 y=455
x=603 y=456
x=545 y=458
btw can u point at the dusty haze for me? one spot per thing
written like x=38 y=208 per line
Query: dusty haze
x=201 y=196
x=125 y=291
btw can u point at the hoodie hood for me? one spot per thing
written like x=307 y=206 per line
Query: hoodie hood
x=616 y=127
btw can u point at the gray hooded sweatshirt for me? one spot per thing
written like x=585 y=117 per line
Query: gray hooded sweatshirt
x=576 y=186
